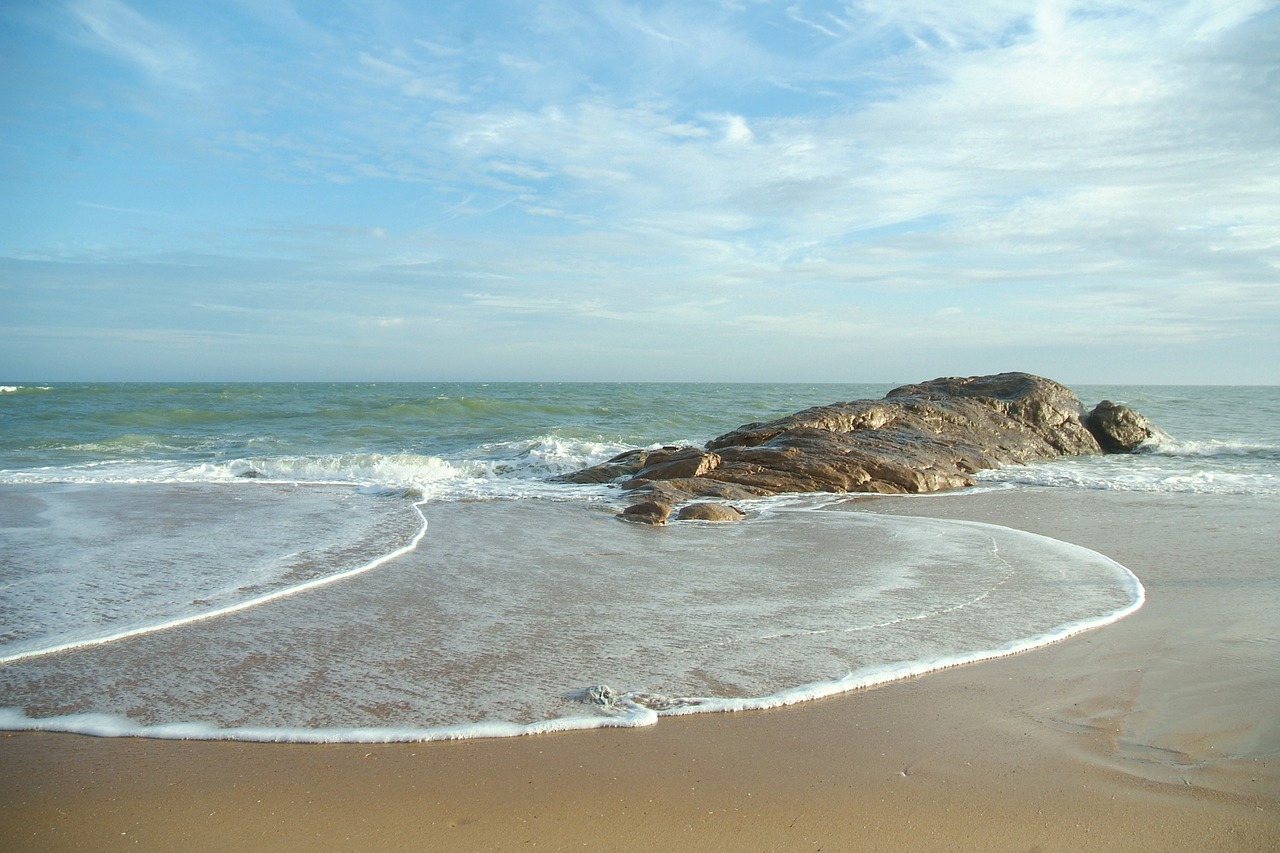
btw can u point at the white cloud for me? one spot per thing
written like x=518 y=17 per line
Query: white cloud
x=736 y=129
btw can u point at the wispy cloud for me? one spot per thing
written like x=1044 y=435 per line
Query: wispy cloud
x=112 y=208
x=163 y=54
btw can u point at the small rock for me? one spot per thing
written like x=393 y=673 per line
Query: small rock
x=646 y=512
x=708 y=511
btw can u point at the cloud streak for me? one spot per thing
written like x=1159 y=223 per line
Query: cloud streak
x=161 y=53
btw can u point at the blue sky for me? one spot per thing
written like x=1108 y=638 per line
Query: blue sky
x=708 y=191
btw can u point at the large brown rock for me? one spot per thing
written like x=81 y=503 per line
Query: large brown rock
x=1118 y=429
x=919 y=438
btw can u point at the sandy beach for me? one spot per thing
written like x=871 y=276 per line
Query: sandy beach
x=1161 y=732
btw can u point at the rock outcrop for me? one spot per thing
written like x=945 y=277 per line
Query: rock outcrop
x=919 y=438
x=1119 y=429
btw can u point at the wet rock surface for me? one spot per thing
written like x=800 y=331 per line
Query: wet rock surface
x=647 y=512
x=709 y=511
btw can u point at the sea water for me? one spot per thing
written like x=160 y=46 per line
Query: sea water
x=392 y=562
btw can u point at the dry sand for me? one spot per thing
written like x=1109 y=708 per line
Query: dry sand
x=1161 y=732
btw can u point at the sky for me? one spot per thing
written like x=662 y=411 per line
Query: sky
x=705 y=190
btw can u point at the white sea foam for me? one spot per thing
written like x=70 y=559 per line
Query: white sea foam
x=1209 y=448
x=117 y=725
x=494 y=469
x=342 y=469
x=1179 y=467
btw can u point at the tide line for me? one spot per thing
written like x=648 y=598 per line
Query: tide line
x=231 y=608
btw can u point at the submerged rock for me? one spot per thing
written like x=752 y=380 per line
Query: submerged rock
x=707 y=511
x=919 y=438
x=647 y=512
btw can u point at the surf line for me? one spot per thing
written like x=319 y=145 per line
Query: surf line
x=233 y=608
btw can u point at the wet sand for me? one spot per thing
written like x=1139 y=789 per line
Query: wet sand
x=1161 y=732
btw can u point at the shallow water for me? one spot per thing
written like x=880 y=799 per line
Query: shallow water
x=84 y=563
x=510 y=610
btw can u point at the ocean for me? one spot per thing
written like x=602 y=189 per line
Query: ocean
x=384 y=562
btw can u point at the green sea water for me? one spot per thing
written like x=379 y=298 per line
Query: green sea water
x=67 y=427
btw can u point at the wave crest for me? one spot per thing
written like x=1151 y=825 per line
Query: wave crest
x=1209 y=449
x=493 y=469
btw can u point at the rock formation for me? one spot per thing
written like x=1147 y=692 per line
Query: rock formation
x=1119 y=429
x=918 y=438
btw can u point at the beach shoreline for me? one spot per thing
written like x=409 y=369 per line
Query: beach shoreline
x=1159 y=732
